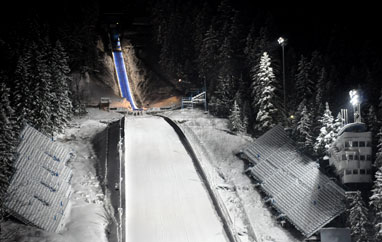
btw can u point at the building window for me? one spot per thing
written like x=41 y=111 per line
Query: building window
x=355 y=157
x=362 y=144
x=355 y=171
x=355 y=144
x=351 y=157
x=347 y=144
x=368 y=157
x=362 y=171
x=348 y=172
x=362 y=157
x=343 y=157
x=368 y=171
x=368 y=144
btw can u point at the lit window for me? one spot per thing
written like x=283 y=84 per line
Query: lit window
x=362 y=157
x=347 y=144
x=351 y=157
x=355 y=171
x=348 y=172
x=362 y=144
x=368 y=157
x=362 y=171
x=343 y=157
x=355 y=144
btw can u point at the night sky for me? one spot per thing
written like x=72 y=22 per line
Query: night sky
x=308 y=27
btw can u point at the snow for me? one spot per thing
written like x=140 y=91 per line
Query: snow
x=165 y=198
x=215 y=147
x=87 y=218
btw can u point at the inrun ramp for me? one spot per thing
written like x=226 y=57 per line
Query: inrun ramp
x=123 y=79
x=293 y=182
x=39 y=191
x=165 y=198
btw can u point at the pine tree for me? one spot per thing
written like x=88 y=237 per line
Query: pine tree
x=60 y=74
x=208 y=58
x=371 y=120
x=320 y=90
x=32 y=75
x=378 y=155
x=358 y=220
x=380 y=106
x=221 y=99
x=304 y=130
x=376 y=203
x=8 y=141
x=43 y=100
x=264 y=95
x=337 y=126
x=304 y=83
x=326 y=136
x=235 y=120
x=24 y=85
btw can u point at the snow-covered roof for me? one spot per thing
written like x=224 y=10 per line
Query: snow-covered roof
x=297 y=188
x=40 y=188
x=353 y=127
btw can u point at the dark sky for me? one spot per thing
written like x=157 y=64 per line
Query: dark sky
x=315 y=25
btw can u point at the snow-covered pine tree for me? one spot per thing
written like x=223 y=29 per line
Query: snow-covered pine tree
x=304 y=130
x=378 y=155
x=337 y=126
x=264 y=89
x=318 y=107
x=326 y=136
x=379 y=113
x=43 y=99
x=320 y=91
x=8 y=141
x=221 y=99
x=373 y=126
x=358 y=219
x=235 y=121
x=24 y=84
x=376 y=203
x=62 y=108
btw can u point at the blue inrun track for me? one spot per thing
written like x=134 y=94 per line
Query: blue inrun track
x=122 y=77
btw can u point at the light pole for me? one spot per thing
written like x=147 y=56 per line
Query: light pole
x=282 y=42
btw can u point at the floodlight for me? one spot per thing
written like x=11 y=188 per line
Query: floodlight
x=354 y=97
x=281 y=40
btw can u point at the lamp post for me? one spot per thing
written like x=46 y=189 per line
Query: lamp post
x=282 y=42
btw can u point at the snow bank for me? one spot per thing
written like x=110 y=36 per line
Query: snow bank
x=87 y=219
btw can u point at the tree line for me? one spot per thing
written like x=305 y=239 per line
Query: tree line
x=39 y=53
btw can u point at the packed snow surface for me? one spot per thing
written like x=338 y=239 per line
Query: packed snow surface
x=165 y=198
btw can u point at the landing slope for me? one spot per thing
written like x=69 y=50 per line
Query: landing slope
x=165 y=198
